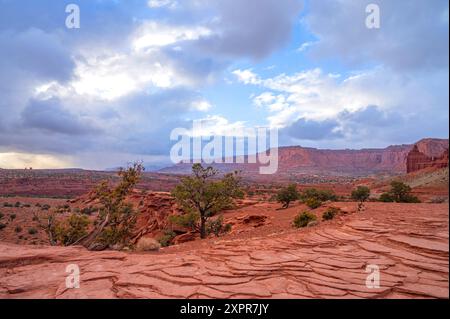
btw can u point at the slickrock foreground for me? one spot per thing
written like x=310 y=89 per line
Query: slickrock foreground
x=408 y=242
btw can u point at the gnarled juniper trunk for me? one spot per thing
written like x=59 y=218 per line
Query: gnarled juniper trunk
x=203 y=226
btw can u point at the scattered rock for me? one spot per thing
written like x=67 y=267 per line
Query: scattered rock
x=184 y=238
x=254 y=220
x=147 y=244
x=313 y=223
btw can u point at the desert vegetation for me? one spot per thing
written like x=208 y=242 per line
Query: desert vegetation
x=113 y=224
x=399 y=193
x=304 y=219
x=330 y=213
x=361 y=194
x=288 y=194
x=202 y=196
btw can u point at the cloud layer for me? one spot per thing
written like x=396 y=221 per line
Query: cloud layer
x=112 y=91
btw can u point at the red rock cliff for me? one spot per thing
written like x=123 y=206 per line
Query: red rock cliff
x=416 y=160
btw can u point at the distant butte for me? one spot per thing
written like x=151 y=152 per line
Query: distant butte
x=304 y=160
x=417 y=160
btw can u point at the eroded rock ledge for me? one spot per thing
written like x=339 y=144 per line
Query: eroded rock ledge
x=408 y=243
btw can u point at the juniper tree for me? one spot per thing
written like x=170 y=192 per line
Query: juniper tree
x=287 y=195
x=205 y=195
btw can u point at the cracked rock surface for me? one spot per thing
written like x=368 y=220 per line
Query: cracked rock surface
x=407 y=242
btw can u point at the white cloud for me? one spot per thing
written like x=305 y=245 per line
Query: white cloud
x=201 y=105
x=112 y=77
x=218 y=125
x=305 y=46
x=246 y=76
x=153 y=34
x=162 y=3
x=316 y=95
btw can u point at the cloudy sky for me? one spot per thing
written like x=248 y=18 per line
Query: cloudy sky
x=111 y=91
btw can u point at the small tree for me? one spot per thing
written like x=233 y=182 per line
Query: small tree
x=205 y=195
x=116 y=218
x=288 y=194
x=400 y=193
x=361 y=194
x=49 y=226
x=320 y=195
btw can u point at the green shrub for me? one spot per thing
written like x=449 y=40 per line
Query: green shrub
x=2 y=226
x=313 y=203
x=399 y=193
x=17 y=204
x=12 y=216
x=166 y=239
x=18 y=229
x=2 y=215
x=217 y=227
x=320 y=195
x=32 y=231
x=386 y=198
x=189 y=220
x=71 y=230
x=361 y=193
x=122 y=224
x=330 y=213
x=227 y=228
x=5 y=204
x=410 y=199
x=45 y=207
x=303 y=219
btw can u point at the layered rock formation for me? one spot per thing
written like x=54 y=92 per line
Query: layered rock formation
x=301 y=160
x=416 y=160
x=407 y=244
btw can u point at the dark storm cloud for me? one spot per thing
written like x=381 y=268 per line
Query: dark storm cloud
x=372 y=116
x=413 y=34
x=36 y=48
x=34 y=53
x=50 y=116
x=252 y=28
x=367 y=125
x=304 y=129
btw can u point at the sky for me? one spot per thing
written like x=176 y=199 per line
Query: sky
x=111 y=91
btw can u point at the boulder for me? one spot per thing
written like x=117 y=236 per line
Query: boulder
x=147 y=244
x=184 y=238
